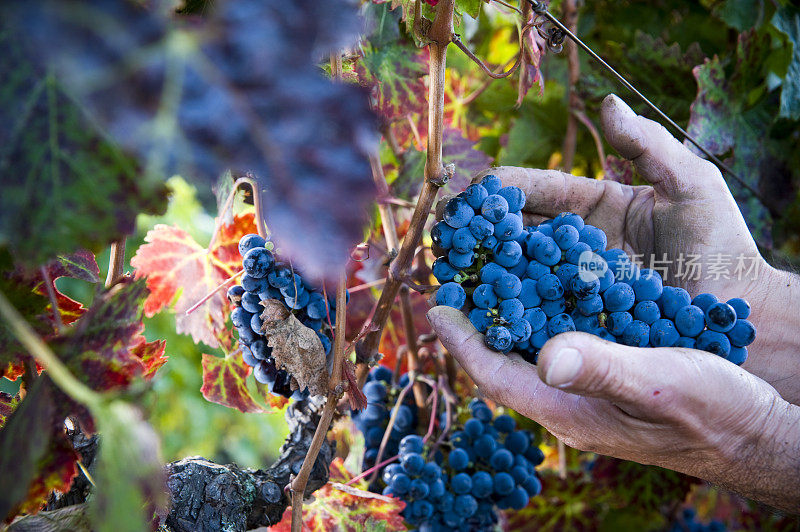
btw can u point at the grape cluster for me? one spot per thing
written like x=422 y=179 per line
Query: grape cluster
x=485 y=465
x=523 y=285
x=373 y=420
x=689 y=523
x=266 y=278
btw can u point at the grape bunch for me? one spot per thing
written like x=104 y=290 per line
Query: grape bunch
x=267 y=278
x=373 y=420
x=483 y=466
x=521 y=286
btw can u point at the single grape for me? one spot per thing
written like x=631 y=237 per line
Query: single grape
x=461 y=483
x=235 y=294
x=317 y=307
x=442 y=235
x=619 y=297
x=568 y=218
x=247 y=356
x=458 y=213
x=720 y=317
x=584 y=285
x=412 y=463
x=507 y=286
x=566 y=272
x=256 y=323
x=252 y=303
x=509 y=228
x=685 y=341
x=546 y=229
x=535 y=270
x=616 y=322
x=494 y=208
x=741 y=307
x=594 y=237
x=663 y=333
x=648 y=286
x=507 y=254
x=549 y=287
x=503 y=483
x=419 y=489
x=704 y=301
x=518 y=498
x=714 y=342
x=517 y=442
x=252 y=284
x=673 y=299
x=514 y=196
x=484 y=297
x=511 y=310
x=491 y=272
x=475 y=195
x=482 y=485
x=483 y=413
x=539 y=338
x=491 y=183
x=573 y=255
x=401 y=483
x=465 y=505
x=480 y=227
x=742 y=334
x=458 y=459
x=464 y=241
x=528 y=295
x=737 y=355
x=431 y=472
x=552 y=307
x=690 y=320
x=546 y=251
x=375 y=391
x=498 y=338
x=381 y=373
x=591 y=306
x=264 y=372
x=584 y=323
x=460 y=260
x=536 y=317
x=647 y=311
x=637 y=334
x=559 y=324
x=250 y=241
x=481 y=319
x=280 y=277
x=566 y=236
x=504 y=423
x=258 y=262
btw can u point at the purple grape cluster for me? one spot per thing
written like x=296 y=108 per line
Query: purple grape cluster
x=267 y=278
x=521 y=286
x=485 y=465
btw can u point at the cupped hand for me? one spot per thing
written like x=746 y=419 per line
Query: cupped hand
x=677 y=408
x=687 y=210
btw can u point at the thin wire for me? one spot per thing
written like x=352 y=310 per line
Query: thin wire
x=541 y=9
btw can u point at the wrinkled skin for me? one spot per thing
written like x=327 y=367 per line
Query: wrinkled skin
x=677 y=408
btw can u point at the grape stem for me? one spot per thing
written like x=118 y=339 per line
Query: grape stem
x=386 y=433
x=440 y=35
x=213 y=291
x=116 y=262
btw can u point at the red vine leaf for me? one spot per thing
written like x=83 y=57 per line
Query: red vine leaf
x=225 y=383
x=180 y=272
x=337 y=507
x=295 y=347
x=530 y=71
x=150 y=353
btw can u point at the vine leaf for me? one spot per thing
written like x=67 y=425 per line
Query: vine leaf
x=787 y=20
x=726 y=123
x=28 y=293
x=151 y=354
x=296 y=347
x=225 y=383
x=339 y=507
x=180 y=272
x=530 y=67
x=63 y=181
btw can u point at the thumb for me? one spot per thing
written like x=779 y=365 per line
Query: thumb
x=668 y=165
x=586 y=365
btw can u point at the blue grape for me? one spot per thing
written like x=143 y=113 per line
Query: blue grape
x=484 y=297
x=546 y=251
x=504 y=423
x=460 y=260
x=481 y=319
x=507 y=286
x=591 y=306
x=412 y=463
x=458 y=459
x=509 y=228
x=465 y=505
x=252 y=284
x=737 y=355
x=535 y=270
x=568 y=218
x=280 y=277
x=503 y=483
x=607 y=280
x=637 y=334
x=508 y=253
x=553 y=307
x=594 y=237
x=619 y=297
x=648 y=286
x=585 y=285
x=501 y=460
x=491 y=183
x=498 y=338
x=482 y=413
x=560 y=323
x=584 y=323
x=461 y=483
x=704 y=301
x=494 y=208
x=473 y=428
x=490 y=242
x=520 y=330
x=742 y=334
x=240 y=318
x=546 y=229
x=235 y=294
x=375 y=391
x=518 y=499
x=533 y=486
x=566 y=236
x=520 y=268
x=517 y=442
x=247 y=356
x=464 y=241
x=514 y=196
x=536 y=317
x=256 y=323
x=251 y=241
x=511 y=310
x=673 y=299
x=685 y=341
x=690 y=320
x=264 y=372
x=405 y=417
x=663 y=333
x=381 y=373
x=419 y=488
x=741 y=307
x=566 y=272
x=485 y=445
x=549 y=287
x=460 y=439
x=573 y=255
x=647 y=311
x=714 y=342
x=458 y=213
x=442 y=235
x=400 y=484
x=251 y=303
x=481 y=228
x=317 y=307
x=431 y=472
x=475 y=195
x=491 y=272
x=539 y=338
x=373 y=437
x=258 y=262
x=720 y=317
x=482 y=485
x=528 y=295
x=443 y=271
x=617 y=322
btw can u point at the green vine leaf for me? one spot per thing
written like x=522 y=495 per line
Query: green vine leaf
x=787 y=20
x=225 y=383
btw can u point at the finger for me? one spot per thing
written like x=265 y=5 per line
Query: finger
x=508 y=380
x=660 y=158
x=632 y=378
x=550 y=192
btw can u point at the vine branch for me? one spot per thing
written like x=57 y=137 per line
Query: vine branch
x=116 y=262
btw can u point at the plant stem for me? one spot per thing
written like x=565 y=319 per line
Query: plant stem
x=56 y=369
x=570 y=17
x=298 y=485
x=390 y=425
x=440 y=35
x=116 y=262
x=51 y=294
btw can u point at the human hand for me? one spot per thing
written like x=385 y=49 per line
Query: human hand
x=687 y=210
x=677 y=408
